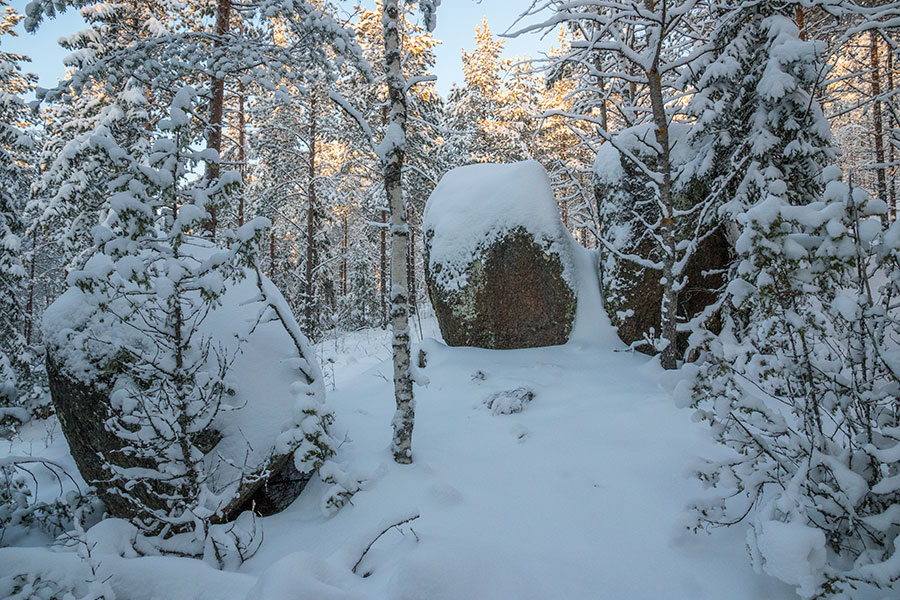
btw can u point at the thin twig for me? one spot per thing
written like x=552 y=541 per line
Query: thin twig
x=377 y=537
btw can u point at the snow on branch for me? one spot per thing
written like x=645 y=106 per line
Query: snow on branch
x=345 y=105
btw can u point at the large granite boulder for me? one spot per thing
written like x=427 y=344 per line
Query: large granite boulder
x=250 y=449
x=499 y=263
x=632 y=294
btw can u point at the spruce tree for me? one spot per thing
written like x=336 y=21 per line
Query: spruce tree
x=797 y=384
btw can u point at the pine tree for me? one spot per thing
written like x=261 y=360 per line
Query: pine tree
x=149 y=286
x=16 y=169
x=71 y=194
x=491 y=117
x=149 y=281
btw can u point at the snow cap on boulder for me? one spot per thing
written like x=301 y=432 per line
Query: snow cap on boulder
x=474 y=206
x=499 y=261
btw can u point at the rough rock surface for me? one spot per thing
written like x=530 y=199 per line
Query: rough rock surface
x=498 y=258
x=82 y=410
x=632 y=293
x=635 y=307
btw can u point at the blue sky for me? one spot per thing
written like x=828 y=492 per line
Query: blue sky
x=456 y=27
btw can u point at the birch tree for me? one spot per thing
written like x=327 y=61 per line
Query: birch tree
x=391 y=151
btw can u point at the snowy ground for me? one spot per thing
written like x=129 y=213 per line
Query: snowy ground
x=579 y=496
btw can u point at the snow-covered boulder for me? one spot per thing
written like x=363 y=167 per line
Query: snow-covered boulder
x=499 y=263
x=255 y=452
x=632 y=293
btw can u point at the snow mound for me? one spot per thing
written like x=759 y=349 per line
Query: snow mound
x=608 y=165
x=508 y=402
x=476 y=205
x=581 y=496
x=792 y=552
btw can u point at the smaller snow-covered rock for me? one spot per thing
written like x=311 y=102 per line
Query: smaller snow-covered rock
x=257 y=453
x=509 y=402
x=499 y=262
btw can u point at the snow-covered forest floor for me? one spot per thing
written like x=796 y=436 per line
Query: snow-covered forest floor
x=580 y=495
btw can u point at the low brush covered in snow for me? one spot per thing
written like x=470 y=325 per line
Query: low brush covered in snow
x=802 y=387
x=499 y=261
x=508 y=402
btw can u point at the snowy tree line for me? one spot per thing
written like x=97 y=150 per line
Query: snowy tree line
x=302 y=162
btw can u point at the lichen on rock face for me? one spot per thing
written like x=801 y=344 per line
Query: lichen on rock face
x=499 y=261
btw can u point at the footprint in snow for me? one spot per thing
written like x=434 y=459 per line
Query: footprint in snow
x=520 y=432
x=446 y=494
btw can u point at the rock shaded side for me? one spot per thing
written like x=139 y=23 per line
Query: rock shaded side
x=632 y=293
x=514 y=296
x=83 y=409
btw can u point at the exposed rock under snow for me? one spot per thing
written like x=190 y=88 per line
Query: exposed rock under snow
x=254 y=435
x=500 y=264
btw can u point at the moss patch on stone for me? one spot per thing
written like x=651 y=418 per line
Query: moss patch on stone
x=515 y=296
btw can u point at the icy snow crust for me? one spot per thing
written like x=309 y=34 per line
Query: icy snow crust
x=267 y=374
x=474 y=206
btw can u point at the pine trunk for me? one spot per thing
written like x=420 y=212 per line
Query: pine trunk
x=892 y=128
x=309 y=290
x=344 y=224
x=382 y=267
x=242 y=150
x=29 y=307
x=878 y=121
x=800 y=19
x=393 y=185
x=217 y=108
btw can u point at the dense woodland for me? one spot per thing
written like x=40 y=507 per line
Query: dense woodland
x=732 y=166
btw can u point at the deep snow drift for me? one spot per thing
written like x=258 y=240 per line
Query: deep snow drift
x=580 y=495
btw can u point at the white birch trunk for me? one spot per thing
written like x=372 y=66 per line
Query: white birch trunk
x=394 y=147
x=671 y=286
